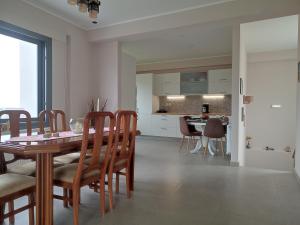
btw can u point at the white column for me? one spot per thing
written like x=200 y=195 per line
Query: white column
x=297 y=157
x=239 y=70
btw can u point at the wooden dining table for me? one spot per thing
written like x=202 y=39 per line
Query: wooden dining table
x=43 y=151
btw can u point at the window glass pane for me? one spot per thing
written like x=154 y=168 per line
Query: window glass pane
x=18 y=74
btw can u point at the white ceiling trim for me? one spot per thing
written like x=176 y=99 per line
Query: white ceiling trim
x=55 y=14
x=184 y=59
x=162 y=14
x=36 y=5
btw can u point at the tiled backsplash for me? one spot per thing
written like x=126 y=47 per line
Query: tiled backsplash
x=193 y=104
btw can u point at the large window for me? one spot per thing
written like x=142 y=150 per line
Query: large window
x=25 y=70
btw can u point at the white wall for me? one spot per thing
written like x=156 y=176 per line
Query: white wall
x=239 y=70
x=272 y=81
x=106 y=61
x=297 y=158
x=243 y=75
x=23 y=15
x=127 y=94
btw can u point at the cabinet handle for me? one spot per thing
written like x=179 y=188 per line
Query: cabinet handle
x=162 y=128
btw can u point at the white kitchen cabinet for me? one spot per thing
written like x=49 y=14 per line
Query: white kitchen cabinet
x=144 y=124
x=166 y=84
x=194 y=83
x=220 y=81
x=144 y=93
x=165 y=125
x=144 y=102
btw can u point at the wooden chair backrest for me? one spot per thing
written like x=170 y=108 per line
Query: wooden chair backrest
x=125 y=133
x=43 y=117
x=14 y=118
x=63 y=123
x=99 y=119
x=53 y=118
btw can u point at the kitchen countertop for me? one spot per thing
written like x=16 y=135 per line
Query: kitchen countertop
x=191 y=114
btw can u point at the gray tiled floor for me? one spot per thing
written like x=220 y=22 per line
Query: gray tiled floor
x=182 y=189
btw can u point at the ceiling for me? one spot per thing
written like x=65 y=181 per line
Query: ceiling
x=119 y=11
x=209 y=40
x=271 y=35
x=183 y=43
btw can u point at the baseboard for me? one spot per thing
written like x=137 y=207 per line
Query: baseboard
x=297 y=176
x=234 y=164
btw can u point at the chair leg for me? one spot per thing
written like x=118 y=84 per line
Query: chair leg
x=70 y=197
x=206 y=148
x=102 y=195
x=222 y=147
x=11 y=209
x=76 y=207
x=128 y=182
x=95 y=186
x=65 y=196
x=182 y=142
x=117 y=182
x=2 y=209
x=188 y=144
x=110 y=190
x=31 y=210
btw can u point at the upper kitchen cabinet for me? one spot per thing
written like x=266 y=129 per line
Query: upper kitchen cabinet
x=166 y=84
x=193 y=83
x=219 y=81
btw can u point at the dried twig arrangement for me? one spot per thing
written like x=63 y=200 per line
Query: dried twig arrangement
x=104 y=105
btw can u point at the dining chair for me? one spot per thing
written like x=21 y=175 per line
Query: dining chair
x=55 y=125
x=214 y=129
x=76 y=175
x=122 y=151
x=67 y=158
x=188 y=131
x=43 y=117
x=63 y=125
x=14 y=121
x=12 y=187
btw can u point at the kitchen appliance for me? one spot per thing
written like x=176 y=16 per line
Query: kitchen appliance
x=161 y=111
x=205 y=108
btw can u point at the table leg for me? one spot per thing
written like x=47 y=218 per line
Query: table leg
x=44 y=189
x=198 y=147
x=210 y=147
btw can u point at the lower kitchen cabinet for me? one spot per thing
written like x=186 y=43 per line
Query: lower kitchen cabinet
x=165 y=125
x=159 y=125
x=144 y=124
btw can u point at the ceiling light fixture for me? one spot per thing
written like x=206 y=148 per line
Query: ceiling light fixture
x=175 y=97
x=91 y=6
x=213 y=96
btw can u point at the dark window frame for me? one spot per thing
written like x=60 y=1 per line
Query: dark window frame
x=44 y=44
